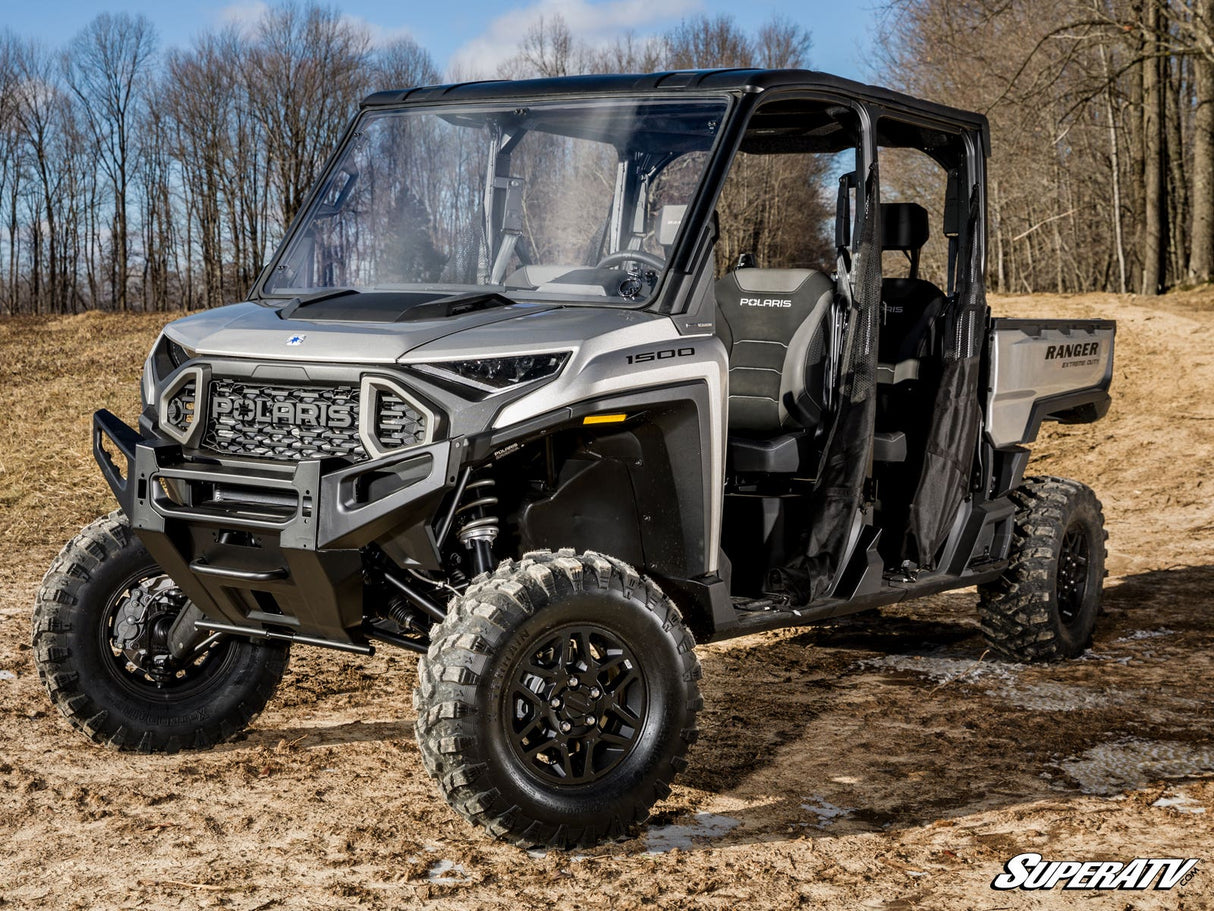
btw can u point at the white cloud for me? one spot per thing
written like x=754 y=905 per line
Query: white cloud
x=380 y=35
x=596 y=23
x=244 y=15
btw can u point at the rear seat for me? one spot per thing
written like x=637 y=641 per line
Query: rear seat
x=909 y=308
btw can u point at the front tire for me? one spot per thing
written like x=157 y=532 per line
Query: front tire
x=558 y=700
x=1044 y=606
x=99 y=624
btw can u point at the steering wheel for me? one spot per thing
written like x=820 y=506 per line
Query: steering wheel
x=629 y=256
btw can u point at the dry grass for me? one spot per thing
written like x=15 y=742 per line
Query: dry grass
x=54 y=373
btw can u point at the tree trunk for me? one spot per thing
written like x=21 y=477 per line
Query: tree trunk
x=1177 y=193
x=121 y=265
x=14 y=241
x=1201 y=261
x=1000 y=272
x=1132 y=125
x=1154 y=211
x=1115 y=169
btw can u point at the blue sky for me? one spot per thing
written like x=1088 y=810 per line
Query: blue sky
x=476 y=33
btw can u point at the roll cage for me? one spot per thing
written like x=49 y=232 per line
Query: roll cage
x=746 y=90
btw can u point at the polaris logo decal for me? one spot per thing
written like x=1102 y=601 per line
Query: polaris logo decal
x=296 y=339
x=1032 y=871
x=1066 y=352
x=263 y=411
x=766 y=302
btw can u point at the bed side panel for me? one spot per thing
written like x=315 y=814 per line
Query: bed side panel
x=1046 y=370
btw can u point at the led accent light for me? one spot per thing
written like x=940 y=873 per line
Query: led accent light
x=604 y=418
x=495 y=374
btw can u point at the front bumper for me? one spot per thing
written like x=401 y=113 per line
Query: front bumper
x=276 y=547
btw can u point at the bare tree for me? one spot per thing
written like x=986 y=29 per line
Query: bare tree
x=701 y=41
x=10 y=165
x=549 y=48
x=781 y=43
x=201 y=98
x=108 y=66
x=629 y=53
x=404 y=64
x=38 y=113
x=153 y=178
x=303 y=70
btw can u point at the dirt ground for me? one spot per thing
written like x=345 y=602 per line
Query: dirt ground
x=878 y=763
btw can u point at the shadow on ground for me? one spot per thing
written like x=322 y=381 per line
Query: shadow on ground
x=904 y=719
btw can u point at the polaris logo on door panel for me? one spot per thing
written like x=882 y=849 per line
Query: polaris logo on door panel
x=766 y=302
x=1032 y=871
x=263 y=411
x=1082 y=349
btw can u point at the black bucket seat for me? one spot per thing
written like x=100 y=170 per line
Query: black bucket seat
x=909 y=310
x=773 y=323
x=909 y=306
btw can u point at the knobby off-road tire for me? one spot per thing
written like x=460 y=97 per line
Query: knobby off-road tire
x=101 y=690
x=558 y=700
x=1044 y=606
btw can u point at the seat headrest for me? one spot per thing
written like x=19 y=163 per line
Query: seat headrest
x=904 y=226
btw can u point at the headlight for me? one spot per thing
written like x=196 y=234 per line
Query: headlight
x=165 y=357
x=169 y=356
x=495 y=374
x=177 y=355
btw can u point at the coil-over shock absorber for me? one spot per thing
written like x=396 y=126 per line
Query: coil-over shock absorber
x=477 y=521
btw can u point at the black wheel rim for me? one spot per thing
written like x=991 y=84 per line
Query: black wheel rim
x=575 y=705
x=1072 y=582
x=139 y=674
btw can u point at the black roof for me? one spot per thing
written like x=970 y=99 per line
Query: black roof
x=722 y=80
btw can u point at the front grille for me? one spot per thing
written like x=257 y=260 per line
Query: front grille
x=286 y=423
x=397 y=422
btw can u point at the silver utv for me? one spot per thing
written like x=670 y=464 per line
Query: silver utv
x=513 y=395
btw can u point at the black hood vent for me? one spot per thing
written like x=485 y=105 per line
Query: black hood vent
x=348 y=305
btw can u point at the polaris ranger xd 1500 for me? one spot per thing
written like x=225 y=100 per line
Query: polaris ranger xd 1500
x=548 y=376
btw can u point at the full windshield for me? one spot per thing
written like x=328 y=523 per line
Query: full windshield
x=573 y=200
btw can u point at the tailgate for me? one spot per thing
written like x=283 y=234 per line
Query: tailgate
x=1040 y=370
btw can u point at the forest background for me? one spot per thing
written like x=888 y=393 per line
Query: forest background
x=139 y=177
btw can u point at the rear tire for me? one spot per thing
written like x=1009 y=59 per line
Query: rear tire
x=558 y=700
x=1044 y=606
x=105 y=585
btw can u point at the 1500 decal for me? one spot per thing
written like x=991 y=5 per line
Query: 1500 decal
x=665 y=354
